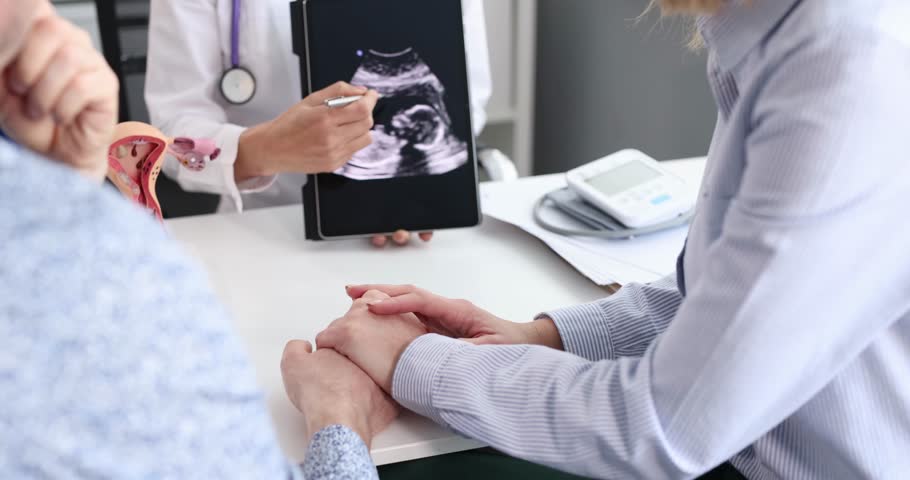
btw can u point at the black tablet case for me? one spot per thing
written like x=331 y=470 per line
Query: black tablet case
x=310 y=224
x=309 y=191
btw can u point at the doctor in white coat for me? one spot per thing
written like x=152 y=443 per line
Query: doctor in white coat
x=272 y=141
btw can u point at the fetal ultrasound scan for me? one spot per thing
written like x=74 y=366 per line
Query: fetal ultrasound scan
x=413 y=133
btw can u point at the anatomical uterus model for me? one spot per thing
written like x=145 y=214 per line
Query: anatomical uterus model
x=137 y=154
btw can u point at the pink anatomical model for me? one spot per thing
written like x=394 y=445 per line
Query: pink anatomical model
x=137 y=153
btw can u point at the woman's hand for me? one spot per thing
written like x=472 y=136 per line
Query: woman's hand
x=373 y=342
x=310 y=137
x=401 y=237
x=59 y=98
x=330 y=390
x=458 y=318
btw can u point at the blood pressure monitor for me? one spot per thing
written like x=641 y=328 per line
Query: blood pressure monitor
x=632 y=188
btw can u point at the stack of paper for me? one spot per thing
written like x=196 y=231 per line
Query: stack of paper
x=605 y=262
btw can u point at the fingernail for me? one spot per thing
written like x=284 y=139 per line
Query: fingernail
x=374 y=302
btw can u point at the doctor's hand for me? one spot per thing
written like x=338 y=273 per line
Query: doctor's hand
x=373 y=342
x=401 y=237
x=59 y=98
x=330 y=390
x=310 y=137
x=458 y=318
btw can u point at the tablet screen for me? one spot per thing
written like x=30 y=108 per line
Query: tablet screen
x=414 y=134
x=420 y=172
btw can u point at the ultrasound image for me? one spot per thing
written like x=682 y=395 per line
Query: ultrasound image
x=413 y=134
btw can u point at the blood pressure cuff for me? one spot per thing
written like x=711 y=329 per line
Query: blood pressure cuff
x=570 y=203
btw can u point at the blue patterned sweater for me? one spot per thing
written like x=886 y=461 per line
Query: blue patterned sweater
x=117 y=359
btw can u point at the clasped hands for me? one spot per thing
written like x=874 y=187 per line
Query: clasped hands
x=348 y=380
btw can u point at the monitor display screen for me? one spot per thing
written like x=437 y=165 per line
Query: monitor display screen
x=624 y=177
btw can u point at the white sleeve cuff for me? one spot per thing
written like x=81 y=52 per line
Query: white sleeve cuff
x=257 y=184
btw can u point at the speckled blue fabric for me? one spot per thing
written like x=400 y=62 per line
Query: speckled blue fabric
x=337 y=453
x=117 y=361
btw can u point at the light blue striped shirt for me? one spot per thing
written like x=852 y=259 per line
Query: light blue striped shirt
x=790 y=353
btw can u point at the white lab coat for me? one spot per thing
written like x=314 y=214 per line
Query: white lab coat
x=189 y=50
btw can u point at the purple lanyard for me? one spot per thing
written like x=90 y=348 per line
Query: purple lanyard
x=235 y=35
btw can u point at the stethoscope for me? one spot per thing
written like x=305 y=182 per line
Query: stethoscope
x=238 y=85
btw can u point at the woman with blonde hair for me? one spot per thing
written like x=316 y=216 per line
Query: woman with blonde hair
x=753 y=353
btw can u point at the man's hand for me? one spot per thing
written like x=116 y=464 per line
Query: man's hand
x=373 y=342
x=330 y=390
x=59 y=97
x=458 y=318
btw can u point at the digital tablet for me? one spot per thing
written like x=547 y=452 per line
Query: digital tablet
x=420 y=174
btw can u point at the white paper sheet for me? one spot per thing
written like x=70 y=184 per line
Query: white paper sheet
x=605 y=262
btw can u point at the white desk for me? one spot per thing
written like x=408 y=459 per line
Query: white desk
x=279 y=287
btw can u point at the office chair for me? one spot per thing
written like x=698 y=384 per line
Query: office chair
x=112 y=22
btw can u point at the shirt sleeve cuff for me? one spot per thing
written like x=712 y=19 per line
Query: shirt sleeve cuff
x=415 y=377
x=229 y=151
x=584 y=330
x=256 y=184
x=338 y=452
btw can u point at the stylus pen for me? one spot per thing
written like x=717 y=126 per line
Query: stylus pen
x=339 y=102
